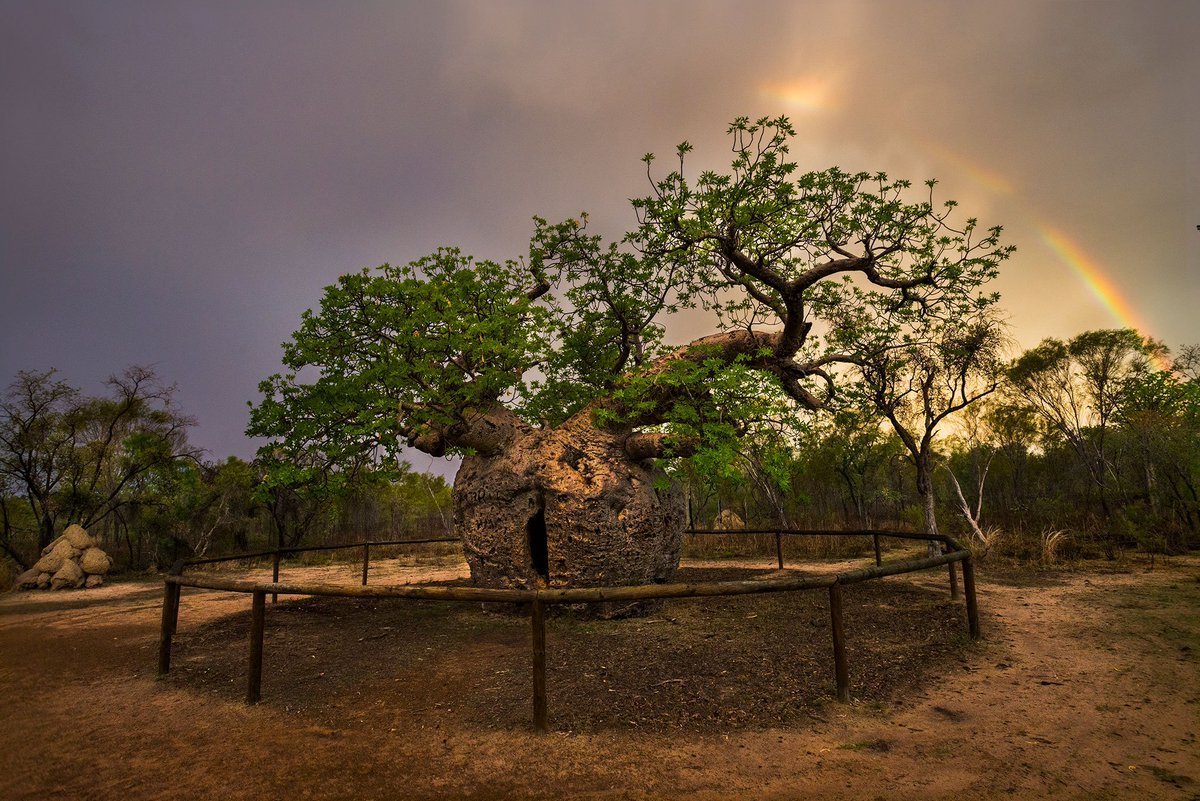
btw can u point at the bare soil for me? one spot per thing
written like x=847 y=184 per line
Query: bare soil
x=1086 y=686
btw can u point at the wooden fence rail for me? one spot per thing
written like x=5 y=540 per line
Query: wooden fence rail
x=947 y=543
x=537 y=599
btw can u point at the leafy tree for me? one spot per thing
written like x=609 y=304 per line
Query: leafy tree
x=393 y=504
x=938 y=369
x=977 y=446
x=301 y=490
x=558 y=358
x=1187 y=363
x=857 y=450
x=1075 y=387
x=78 y=459
x=195 y=506
x=1014 y=429
x=1159 y=418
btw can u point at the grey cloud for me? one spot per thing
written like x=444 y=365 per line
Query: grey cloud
x=180 y=180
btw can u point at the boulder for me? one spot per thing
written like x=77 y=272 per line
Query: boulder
x=69 y=575
x=728 y=520
x=93 y=581
x=95 y=561
x=78 y=537
x=62 y=552
x=27 y=580
x=52 y=545
x=43 y=582
x=50 y=563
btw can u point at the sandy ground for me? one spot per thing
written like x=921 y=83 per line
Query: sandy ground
x=1086 y=686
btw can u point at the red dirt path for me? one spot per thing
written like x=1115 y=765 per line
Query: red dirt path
x=1086 y=687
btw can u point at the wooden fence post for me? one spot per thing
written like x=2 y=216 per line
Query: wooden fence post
x=538 y=623
x=257 y=619
x=953 y=581
x=170 y=620
x=878 y=554
x=779 y=548
x=275 y=575
x=840 y=667
x=366 y=560
x=968 y=568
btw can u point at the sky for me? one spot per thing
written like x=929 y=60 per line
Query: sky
x=179 y=181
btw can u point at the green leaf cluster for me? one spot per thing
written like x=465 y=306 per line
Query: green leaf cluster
x=578 y=325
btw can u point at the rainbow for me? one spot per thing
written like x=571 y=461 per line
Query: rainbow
x=980 y=174
x=1092 y=276
x=1071 y=253
x=1100 y=285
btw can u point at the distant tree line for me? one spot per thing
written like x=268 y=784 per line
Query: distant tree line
x=120 y=464
x=1093 y=442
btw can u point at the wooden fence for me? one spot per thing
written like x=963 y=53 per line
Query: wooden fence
x=536 y=600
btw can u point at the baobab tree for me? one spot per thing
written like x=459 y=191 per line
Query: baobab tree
x=550 y=375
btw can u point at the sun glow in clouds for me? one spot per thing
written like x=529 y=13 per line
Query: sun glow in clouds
x=802 y=94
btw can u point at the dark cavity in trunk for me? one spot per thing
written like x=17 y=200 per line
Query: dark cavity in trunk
x=539 y=552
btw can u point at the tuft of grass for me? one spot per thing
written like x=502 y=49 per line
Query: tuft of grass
x=1051 y=542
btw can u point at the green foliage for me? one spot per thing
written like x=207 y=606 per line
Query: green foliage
x=399 y=349
x=604 y=321
x=1039 y=496
x=805 y=228
x=412 y=355
x=72 y=458
x=1075 y=389
x=1077 y=384
x=1158 y=394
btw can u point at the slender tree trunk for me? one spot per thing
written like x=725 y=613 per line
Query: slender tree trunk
x=6 y=540
x=45 y=530
x=928 y=500
x=972 y=516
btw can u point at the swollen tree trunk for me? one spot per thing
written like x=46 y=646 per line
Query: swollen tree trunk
x=567 y=507
x=582 y=504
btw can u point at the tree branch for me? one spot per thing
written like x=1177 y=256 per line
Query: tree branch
x=858 y=264
x=486 y=431
x=656 y=445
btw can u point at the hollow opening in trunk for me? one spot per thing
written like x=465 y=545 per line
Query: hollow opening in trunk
x=539 y=550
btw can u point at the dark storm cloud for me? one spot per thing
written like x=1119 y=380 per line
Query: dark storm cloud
x=180 y=180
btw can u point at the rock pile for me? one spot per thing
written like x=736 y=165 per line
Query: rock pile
x=72 y=560
x=728 y=520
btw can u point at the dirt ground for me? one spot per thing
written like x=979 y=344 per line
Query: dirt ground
x=1086 y=686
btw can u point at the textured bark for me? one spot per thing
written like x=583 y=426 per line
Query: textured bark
x=580 y=505
x=488 y=431
x=568 y=507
